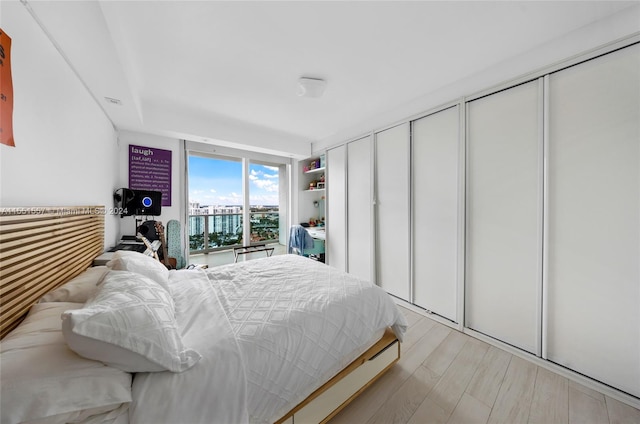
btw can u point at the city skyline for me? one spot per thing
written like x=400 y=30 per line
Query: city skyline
x=214 y=181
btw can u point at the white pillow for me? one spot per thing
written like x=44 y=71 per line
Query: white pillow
x=130 y=324
x=42 y=380
x=80 y=288
x=124 y=260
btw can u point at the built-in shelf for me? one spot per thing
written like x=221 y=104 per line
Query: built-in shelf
x=313 y=171
x=312 y=186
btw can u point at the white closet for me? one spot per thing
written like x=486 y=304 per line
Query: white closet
x=392 y=206
x=435 y=157
x=335 y=247
x=593 y=278
x=551 y=236
x=503 y=210
x=360 y=208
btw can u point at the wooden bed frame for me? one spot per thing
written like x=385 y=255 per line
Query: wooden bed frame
x=337 y=393
x=43 y=247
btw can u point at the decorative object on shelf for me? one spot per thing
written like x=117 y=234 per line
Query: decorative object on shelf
x=313 y=177
x=315 y=165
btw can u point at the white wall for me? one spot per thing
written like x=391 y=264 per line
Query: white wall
x=620 y=25
x=66 y=149
x=205 y=126
x=175 y=211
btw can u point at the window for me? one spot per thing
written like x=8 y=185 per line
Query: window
x=229 y=197
x=215 y=203
x=264 y=202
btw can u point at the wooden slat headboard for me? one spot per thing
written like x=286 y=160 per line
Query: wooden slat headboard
x=40 y=249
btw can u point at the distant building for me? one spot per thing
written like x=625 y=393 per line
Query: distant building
x=226 y=221
x=221 y=219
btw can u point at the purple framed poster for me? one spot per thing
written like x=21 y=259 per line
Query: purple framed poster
x=150 y=169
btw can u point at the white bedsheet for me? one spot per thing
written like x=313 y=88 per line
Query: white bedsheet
x=213 y=390
x=270 y=332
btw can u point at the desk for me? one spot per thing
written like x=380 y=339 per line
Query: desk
x=317 y=233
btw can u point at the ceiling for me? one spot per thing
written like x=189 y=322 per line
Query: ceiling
x=227 y=72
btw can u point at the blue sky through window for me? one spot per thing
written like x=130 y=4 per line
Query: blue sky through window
x=219 y=182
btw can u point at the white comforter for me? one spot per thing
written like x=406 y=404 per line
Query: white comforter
x=270 y=331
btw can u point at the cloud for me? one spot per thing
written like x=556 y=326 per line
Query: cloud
x=264 y=199
x=265 y=181
x=267 y=185
x=232 y=199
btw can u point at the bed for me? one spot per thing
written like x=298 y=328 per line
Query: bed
x=282 y=339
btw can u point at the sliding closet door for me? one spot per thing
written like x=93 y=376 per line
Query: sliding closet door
x=359 y=208
x=503 y=208
x=435 y=154
x=594 y=219
x=392 y=201
x=335 y=247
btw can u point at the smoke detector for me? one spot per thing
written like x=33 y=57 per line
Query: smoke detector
x=311 y=87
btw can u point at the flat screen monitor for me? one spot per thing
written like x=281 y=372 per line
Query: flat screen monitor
x=145 y=202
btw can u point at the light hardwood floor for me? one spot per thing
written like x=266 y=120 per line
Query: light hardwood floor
x=444 y=376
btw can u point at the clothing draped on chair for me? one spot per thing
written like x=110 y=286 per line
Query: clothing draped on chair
x=299 y=239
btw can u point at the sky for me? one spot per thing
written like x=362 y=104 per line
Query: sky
x=219 y=182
